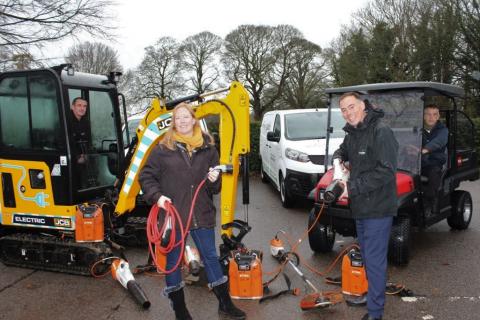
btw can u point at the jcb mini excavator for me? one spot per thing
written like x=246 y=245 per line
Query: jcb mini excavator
x=60 y=216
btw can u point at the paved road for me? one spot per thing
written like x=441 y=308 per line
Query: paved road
x=444 y=270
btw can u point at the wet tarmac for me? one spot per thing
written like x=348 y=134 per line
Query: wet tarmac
x=443 y=273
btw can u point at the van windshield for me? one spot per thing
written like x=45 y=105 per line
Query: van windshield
x=312 y=125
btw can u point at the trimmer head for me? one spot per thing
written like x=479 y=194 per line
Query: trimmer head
x=320 y=300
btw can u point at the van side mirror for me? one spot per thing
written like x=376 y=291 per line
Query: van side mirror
x=272 y=137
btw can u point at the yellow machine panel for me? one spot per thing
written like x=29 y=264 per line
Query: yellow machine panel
x=33 y=196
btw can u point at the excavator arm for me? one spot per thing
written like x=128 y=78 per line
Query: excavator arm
x=234 y=133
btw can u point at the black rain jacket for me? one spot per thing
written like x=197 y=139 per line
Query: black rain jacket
x=436 y=142
x=371 y=149
x=174 y=174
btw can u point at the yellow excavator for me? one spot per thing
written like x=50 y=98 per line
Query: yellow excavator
x=59 y=215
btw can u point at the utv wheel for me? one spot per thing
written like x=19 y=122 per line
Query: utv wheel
x=322 y=236
x=287 y=201
x=263 y=175
x=462 y=209
x=399 y=244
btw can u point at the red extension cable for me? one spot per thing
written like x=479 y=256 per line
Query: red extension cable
x=154 y=234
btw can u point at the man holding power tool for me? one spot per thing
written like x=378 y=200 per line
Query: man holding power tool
x=371 y=150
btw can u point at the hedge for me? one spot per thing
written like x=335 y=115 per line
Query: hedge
x=476 y=122
x=254 y=159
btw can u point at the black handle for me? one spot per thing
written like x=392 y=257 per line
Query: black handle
x=171 y=104
x=245 y=180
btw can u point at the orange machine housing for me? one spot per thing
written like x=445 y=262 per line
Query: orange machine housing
x=354 y=279
x=245 y=273
x=89 y=223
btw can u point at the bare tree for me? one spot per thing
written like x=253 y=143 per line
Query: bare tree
x=286 y=40
x=307 y=76
x=32 y=22
x=94 y=57
x=200 y=55
x=259 y=56
x=159 y=74
x=130 y=86
x=248 y=58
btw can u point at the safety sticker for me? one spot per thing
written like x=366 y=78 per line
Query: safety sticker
x=56 y=172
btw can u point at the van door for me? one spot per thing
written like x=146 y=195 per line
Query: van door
x=276 y=151
x=264 y=144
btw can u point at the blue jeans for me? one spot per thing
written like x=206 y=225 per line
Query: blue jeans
x=205 y=241
x=373 y=236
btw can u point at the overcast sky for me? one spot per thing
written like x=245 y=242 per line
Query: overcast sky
x=142 y=22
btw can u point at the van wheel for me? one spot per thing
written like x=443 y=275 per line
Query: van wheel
x=399 y=244
x=322 y=237
x=462 y=209
x=287 y=201
x=263 y=175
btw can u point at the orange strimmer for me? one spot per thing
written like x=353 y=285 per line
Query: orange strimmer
x=310 y=301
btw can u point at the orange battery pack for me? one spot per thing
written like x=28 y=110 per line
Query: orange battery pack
x=89 y=223
x=245 y=273
x=354 y=279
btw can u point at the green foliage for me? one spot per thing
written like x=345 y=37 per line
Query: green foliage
x=476 y=122
x=352 y=63
x=254 y=159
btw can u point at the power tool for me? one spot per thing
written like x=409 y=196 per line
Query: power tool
x=121 y=272
x=354 y=279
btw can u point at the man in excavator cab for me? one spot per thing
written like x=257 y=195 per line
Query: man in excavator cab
x=51 y=221
x=81 y=135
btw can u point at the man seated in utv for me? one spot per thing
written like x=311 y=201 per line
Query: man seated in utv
x=434 y=156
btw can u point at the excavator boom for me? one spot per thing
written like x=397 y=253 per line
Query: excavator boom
x=234 y=133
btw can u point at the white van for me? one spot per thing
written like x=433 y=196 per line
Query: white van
x=292 y=149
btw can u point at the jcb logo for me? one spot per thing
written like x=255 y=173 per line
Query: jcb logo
x=62 y=222
x=164 y=123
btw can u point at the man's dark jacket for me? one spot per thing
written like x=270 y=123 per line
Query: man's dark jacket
x=81 y=134
x=371 y=149
x=174 y=174
x=436 y=142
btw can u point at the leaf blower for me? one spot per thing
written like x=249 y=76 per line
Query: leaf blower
x=121 y=272
x=335 y=189
x=192 y=260
x=310 y=301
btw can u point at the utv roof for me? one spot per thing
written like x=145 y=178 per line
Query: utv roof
x=442 y=88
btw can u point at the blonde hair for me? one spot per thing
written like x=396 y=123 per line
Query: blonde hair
x=168 y=140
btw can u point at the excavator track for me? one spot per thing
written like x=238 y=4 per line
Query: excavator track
x=53 y=253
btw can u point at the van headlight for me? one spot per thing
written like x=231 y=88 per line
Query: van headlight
x=296 y=155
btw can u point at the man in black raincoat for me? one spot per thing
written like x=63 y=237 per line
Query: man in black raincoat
x=371 y=149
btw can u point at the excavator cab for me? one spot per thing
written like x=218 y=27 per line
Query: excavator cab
x=42 y=184
x=38 y=164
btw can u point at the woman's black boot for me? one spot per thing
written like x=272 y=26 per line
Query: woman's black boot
x=178 y=302
x=226 y=306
